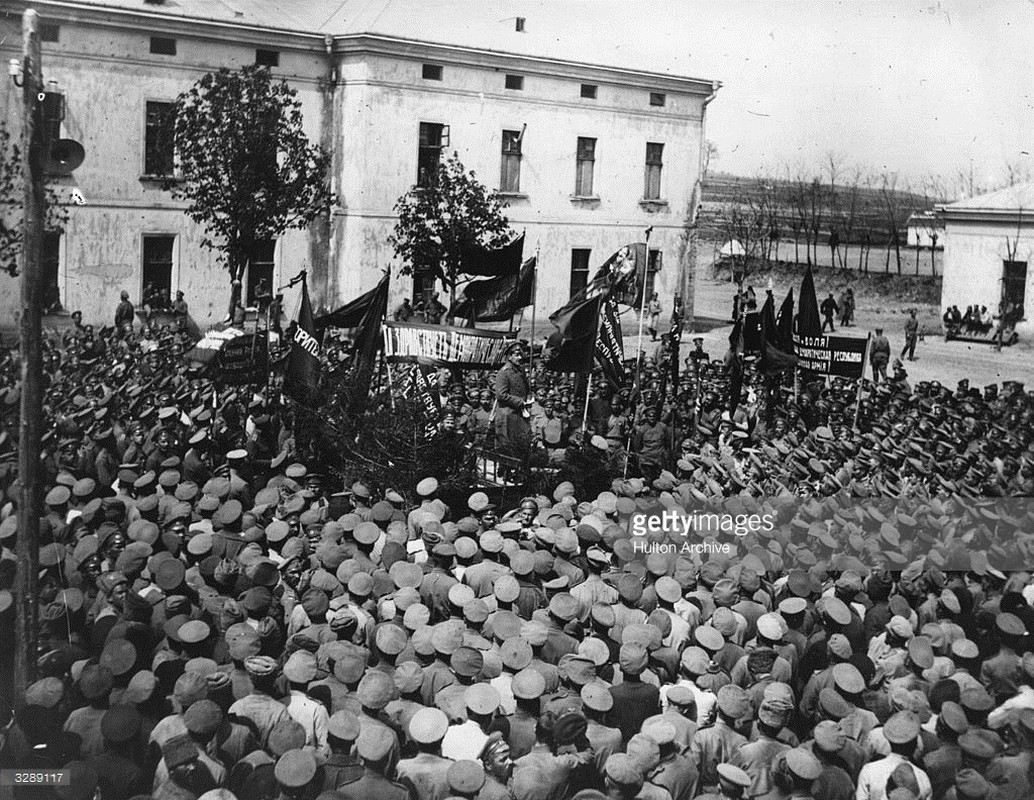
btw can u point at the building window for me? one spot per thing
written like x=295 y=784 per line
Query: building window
x=510 y=180
x=433 y=137
x=519 y=26
x=260 y=270
x=50 y=263
x=432 y=72
x=653 y=266
x=49 y=32
x=158 y=266
x=579 y=269
x=658 y=98
x=654 y=154
x=158 y=139
x=585 y=162
x=267 y=58
x=163 y=46
x=589 y=91
x=515 y=82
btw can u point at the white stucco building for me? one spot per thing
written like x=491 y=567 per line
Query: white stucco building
x=589 y=146
x=988 y=245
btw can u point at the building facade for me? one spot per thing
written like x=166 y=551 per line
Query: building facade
x=988 y=249
x=587 y=156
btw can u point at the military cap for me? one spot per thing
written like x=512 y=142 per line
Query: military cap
x=119 y=656
x=623 y=770
x=344 y=725
x=296 y=768
x=376 y=690
x=977 y=699
x=189 y=689
x=733 y=702
x=120 y=723
x=58 y=496
x=900 y=627
x=522 y=563
x=920 y=652
x=836 y=610
x=178 y=751
x=953 y=717
x=595 y=650
x=203 y=718
x=46 y=693
x=242 y=641
x=466 y=777
x=803 y=763
x=260 y=666
x=528 y=684
x=632 y=658
x=668 y=589
x=390 y=639
x=965 y=649
x=481 y=698
x=771 y=626
x=409 y=677
x=848 y=679
x=140 y=688
x=1010 y=625
x=976 y=746
x=95 y=681
x=300 y=667
x=709 y=638
x=466 y=661
x=597 y=697
x=427 y=487
x=286 y=735
x=901 y=728
x=416 y=616
x=515 y=653
x=406 y=575
x=375 y=743
x=833 y=704
x=829 y=737
x=428 y=725
x=660 y=730
x=971 y=785
x=563 y=606
x=733 y=775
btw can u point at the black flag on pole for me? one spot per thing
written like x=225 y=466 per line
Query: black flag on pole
x=573 y=345
x=776 y=357
x=367 y=343
x=784 y=323
x=809 y=324
x=496 y=299
x=505 y=260
x=303 y=363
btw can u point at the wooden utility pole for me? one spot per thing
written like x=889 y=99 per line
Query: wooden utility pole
x=34 y=148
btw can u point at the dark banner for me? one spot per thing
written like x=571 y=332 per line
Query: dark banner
x=441 y=346
x=244 y=359
x=752 y=333
x=610 y=347
x=425 y=389
x=842 y=356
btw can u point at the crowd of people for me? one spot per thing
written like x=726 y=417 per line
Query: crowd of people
x=221 y=617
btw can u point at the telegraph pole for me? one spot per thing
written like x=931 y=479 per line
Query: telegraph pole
x=34 y=147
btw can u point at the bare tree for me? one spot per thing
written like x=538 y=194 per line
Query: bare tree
x=888 y=191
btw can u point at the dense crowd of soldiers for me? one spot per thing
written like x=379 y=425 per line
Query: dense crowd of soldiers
x=219 y=618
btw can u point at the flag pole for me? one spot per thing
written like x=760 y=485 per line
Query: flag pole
x=642 y=314
x=861 y=380
x=585 y=411
x=534 y=303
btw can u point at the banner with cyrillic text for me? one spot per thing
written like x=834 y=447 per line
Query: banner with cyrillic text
x=841 y=356
x=442 y=346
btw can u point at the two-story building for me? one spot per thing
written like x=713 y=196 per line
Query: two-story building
x=586 y=155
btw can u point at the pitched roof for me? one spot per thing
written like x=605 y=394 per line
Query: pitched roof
x=1011 y=198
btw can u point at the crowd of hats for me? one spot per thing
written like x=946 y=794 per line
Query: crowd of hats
x=198 y=614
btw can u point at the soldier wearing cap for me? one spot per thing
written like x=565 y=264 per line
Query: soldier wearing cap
x=513 y=396
x=427 y=773
x=732 y=783
x=300 y=670
x=721 y=743
x=341 y=766
x=498 y=768
x=901 y=732
x=374 y=750
x=259 y=707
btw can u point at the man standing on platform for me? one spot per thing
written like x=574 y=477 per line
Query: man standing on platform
x=879 y=356
x=512 y=392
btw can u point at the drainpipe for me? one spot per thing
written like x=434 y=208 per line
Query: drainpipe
x=328 y=129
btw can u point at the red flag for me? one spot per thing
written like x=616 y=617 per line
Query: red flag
x=303 y=365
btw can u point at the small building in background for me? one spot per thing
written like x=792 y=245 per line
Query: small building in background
x=926 y=230
x=989 y=254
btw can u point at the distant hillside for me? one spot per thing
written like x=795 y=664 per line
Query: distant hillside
x=856 y=212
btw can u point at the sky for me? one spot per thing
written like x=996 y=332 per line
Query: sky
x=914 y=87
